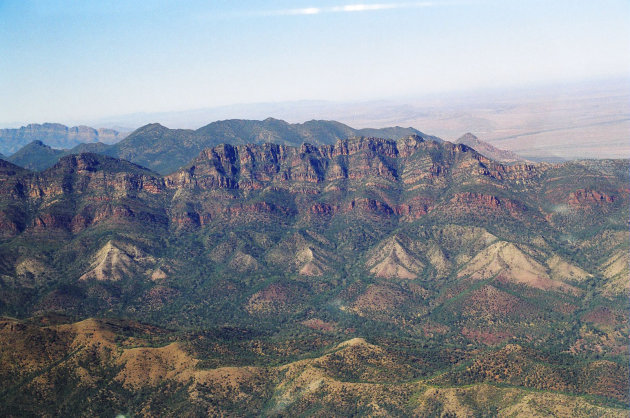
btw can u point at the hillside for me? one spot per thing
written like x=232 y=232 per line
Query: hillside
x=90 y=367
x=36 y=156
x=370 y=276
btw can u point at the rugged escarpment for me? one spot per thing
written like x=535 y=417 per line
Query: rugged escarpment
x=406 y=178
x=374 y=180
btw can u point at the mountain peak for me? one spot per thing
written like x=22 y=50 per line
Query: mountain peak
x=37 y=143
x=467 y=137
x=487 y=149
x=89 y=161
x=152 y=126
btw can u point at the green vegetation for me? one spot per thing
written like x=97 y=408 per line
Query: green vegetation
x=370 y=277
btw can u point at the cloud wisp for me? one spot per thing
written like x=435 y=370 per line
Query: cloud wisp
x=347 y=8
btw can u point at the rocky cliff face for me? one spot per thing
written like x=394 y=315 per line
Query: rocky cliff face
x=355 y=159
x=404 y=180
x=78 y=191
x=407 y=178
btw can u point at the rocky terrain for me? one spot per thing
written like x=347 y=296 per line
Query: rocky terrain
x=369 y=276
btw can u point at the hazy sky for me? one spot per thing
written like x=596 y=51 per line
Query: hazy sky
x=72 y=60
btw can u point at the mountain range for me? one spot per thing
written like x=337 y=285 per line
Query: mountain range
x=369 y=276
x=165 y=150
x=55 y=135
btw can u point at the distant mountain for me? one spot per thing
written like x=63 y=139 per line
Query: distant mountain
x=39 y=156
x=317 y=132
x=165 y=150
x=489 y=150
x=55 y=135
x=36 y=156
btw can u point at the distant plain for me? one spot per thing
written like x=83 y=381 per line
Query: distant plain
x=542 y=122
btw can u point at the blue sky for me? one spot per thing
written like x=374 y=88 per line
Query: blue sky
x=73 y=60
